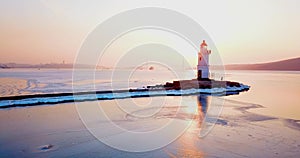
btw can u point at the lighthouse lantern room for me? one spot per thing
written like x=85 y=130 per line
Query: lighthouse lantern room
x=203 y=62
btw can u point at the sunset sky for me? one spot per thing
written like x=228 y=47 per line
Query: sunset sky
x=45 y=31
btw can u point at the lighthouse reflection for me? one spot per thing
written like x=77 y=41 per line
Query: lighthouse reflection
x=188 y=144
x=203 y=102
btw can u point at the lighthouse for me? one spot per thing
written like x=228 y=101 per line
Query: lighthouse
x=203 y=62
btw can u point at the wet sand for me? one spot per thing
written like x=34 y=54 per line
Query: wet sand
x=57 y=131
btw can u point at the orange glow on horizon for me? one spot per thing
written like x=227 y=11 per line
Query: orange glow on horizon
x=243 y=31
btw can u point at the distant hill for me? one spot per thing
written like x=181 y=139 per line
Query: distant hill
x=283 y=65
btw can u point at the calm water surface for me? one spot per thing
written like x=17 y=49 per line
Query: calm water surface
x=277 y=91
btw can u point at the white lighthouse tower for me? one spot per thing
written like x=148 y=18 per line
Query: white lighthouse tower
x=203 y=62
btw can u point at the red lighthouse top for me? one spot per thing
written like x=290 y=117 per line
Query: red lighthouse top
x=203 y=44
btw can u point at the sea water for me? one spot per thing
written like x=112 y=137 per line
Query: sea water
x=277 y=91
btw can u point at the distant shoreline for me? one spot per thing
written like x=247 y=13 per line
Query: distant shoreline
x=282 y=65
x=229 y=69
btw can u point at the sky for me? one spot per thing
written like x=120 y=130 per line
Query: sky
x=52 y=31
